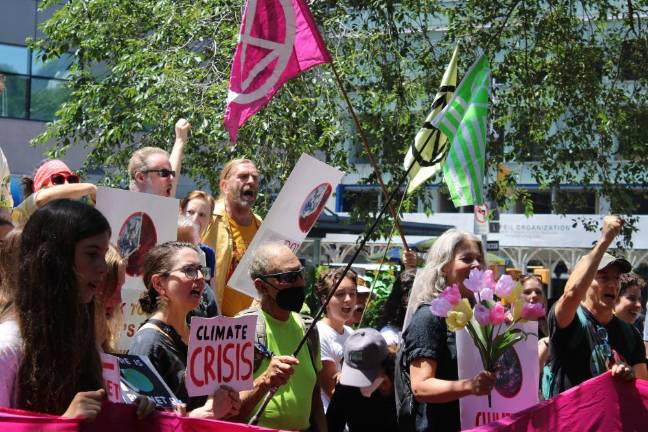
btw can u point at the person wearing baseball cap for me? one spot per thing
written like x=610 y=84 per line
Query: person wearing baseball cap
x=52 y=180
x=586 y=338
x=364 y=398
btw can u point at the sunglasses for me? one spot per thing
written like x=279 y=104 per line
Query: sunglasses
x=285 y=277
x=191 y=272
x=59 y=179
x=164 y=173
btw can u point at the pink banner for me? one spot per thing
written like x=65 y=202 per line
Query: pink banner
x=600 y=404
x=278 y=41
x=116 y=417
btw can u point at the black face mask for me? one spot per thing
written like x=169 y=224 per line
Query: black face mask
x=291 y=299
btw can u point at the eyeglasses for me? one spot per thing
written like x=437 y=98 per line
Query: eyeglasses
x=164 y=173
x=192 y=271
x=285 y=277
x=59 y=179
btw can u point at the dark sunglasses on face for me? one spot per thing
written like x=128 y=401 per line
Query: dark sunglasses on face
x=191 y=271
x=286 y=277
x=59 y=179
x=161 y=172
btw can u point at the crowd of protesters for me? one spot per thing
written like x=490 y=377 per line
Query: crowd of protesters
x=60 y=307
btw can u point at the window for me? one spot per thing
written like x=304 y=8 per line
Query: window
x=368 y=197
x=46 y=97
x=30 y=88
x=575 y=201
x=541 y=200
x=57 y=68
x=13 y=96
x=633 y=59
x=446 y=205
x=14 y=59
x=633 y=201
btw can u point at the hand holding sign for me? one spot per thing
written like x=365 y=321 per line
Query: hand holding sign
x=221 y=352
x=86 y=405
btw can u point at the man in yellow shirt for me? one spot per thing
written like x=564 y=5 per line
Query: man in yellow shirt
x=232 y=229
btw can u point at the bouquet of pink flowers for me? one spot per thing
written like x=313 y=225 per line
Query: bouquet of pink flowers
x=498 y=306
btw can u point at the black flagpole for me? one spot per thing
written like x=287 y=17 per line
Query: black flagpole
x=255 y=419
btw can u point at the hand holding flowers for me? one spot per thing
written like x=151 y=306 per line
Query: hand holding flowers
x=498 y=306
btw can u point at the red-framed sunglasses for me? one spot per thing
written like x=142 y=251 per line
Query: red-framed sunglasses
x=59 y=179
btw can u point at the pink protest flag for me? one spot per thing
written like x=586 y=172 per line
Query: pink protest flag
x=278 y=41
x=602 y=403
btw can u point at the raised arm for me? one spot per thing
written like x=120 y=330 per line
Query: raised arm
x=584 y=273
x=70 y=190
x=182 y=128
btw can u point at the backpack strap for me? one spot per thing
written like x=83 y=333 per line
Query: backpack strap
x=261 y=350
x=313 y=338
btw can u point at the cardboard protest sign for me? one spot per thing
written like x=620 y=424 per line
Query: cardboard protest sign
x=292 y=215
x=139 y=377
x=517 y=379
x=111 y=377
x=221 y=352
x=138 y=221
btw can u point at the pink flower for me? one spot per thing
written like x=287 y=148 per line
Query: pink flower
x=486 y=295
x=440 y=307
x=489 y=280
x=504 y=286
x=475 y=281
x=451 y=294
x=482 y=314
x=533 y=311
x=497 y=314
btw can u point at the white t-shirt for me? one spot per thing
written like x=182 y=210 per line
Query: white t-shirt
x=391 y=334
x=10 y=356
x=332 y=348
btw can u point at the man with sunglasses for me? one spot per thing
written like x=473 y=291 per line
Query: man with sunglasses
x=586 y=338
x=152 y=170
x=296 y=405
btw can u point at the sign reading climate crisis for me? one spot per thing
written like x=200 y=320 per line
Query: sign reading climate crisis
x=221 y=353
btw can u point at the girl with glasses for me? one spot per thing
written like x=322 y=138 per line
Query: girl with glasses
x=175 y=278
x=52 y=180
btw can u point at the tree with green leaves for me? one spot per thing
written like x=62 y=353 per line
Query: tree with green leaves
x=569 y=88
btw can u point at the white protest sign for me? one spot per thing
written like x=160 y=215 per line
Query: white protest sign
x=481 y=219
x=517 y=379
x=292 y=215
x=111 y=377
x=138 y=221
x=221 y=352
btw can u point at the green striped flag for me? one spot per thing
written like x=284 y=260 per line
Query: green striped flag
x=463 y=121
x=430 y=147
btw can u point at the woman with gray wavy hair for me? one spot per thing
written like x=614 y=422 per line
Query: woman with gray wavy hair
x=428 y=388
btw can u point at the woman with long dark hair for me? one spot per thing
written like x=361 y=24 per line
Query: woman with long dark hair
x=62 y=264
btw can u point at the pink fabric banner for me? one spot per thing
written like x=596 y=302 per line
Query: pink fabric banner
x=602 y=403
x=116 y=417
x=278 y=41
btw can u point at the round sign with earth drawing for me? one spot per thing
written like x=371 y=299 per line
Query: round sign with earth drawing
x=313 y=205
x=509 y=374
x=137 y=236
